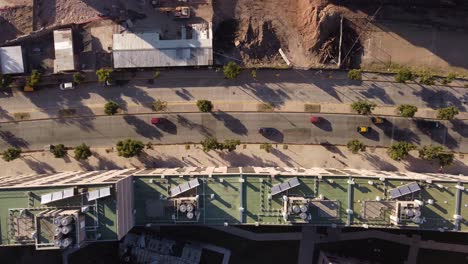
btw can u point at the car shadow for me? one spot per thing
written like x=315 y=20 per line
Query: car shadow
x=275 y=135
x=167 y=126
x=142 y=128
x=324 y=124
x=372 y=135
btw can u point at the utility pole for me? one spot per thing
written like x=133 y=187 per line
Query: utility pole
x=341 y=40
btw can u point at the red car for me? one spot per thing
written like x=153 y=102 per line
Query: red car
x=157 y=120
x=315 y=119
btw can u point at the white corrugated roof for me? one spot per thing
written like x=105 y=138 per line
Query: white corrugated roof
x=63 y=45
x=11 y=60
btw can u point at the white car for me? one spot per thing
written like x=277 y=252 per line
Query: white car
x=67 y=86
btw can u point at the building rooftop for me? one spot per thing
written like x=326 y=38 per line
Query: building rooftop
x=63 y=45
x=233 y=196
x=11 y=60
x=132 y=50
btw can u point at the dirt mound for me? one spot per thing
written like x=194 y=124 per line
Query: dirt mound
x=306 y=30
x=15 y=21
x=259 y=42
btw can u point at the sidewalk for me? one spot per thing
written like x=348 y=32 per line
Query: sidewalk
x=178 y=156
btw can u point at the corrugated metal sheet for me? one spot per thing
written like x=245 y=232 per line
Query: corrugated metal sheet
x=131 y=50
x=63 y=44
x=11 y=60
x=162 y=57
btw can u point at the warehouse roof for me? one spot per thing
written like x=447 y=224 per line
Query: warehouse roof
x=148 y=50
x=11 y=60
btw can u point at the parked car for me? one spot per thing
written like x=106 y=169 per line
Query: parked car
x=315 y=119
x=363 y=129
x=378 y=120
x=67 y=86
x=157 y=120
x=267 y=131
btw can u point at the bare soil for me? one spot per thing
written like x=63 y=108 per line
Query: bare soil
x=15 y=20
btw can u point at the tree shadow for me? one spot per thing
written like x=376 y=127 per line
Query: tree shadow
x=183 y=121
x=234 y=124
x=437 y=98
x=184 y=94
x=38 y=166
x=379 y=163
x=333 y=149
x=266 y=94
x=378 y=93
x=5 y=115
x=400 y=134
x=460 y=126
x=142 y=128
x=284 y=158
x=437 y=131
x=104 y=163
x=13 y=140
x=239 y=160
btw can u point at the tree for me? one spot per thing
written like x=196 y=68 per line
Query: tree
x=426 y=77
x=205 y=106
x=157 y=74
x=59 y=150
x=231 y=70
x=210 y=143
x=34 y=79
x=82 y=152
x=355 y=74
x=406 y=110
x=445 y=159
x=266 y=146
x=430 y=152
x=253 y=73
x=447 y=113
x=104 y=75
x=450 y=78
x=403 y=75
x=400 y=150
x=363 y=107
x=230 y=144
x=111 y=108
x=355 y=146
x=159 y=105
x=5 y=80
x=129 y=148
x=78 y=78
x=11 y=154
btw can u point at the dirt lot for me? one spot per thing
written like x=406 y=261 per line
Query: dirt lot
x=15 y=19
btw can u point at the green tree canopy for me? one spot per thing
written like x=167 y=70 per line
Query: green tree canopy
x=445 y=159
x=82 y=152
x=111 y=108
x=11 y=154
x=210 y=143
x=363 y=107
x=231 y=70
x=34 y=79
x=400 y=150
x=59 y=150
x=78 y=78
x=129 y=148
x=406 y=110
x=403 y=75
x=447 y=113
x=266 y=146
x=355 y=146
x=104 y=74
x=355 y=74
x=230 y=144
x=204 y=106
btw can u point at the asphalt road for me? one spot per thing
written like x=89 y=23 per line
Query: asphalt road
x=183 y=128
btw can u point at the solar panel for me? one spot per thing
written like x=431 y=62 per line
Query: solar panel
x=285 y=186
x=100 y=193
x=184 y=187
x=46 y=198
x=103 y=192
x=93 y=195
x=55 y=196
x=411 y=187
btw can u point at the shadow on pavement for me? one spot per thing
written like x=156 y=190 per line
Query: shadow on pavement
x=379 y=163
x=13 y=140
x=230 y=122
x=274 y=135
x=191 y=125
x=167 y=126
x=332 y=149
x=324 y=124
x=38 y=166
x=143 y=128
